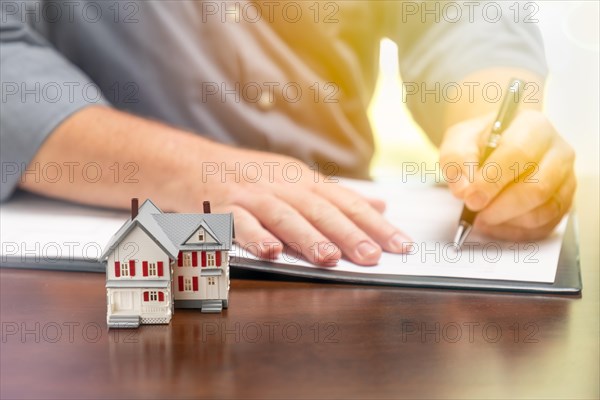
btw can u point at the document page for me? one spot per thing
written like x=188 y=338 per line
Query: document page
x=429 y=216
x=39 y=230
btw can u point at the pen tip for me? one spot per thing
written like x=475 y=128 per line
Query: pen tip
x=461 y=235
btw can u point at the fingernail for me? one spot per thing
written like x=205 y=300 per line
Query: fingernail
x=367 y=250
x=408 y=248
x=476 y=201
x=329 y=253
x=271 y=249
x=399 y=243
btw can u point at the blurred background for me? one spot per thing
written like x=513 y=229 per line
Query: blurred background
x=571 y=35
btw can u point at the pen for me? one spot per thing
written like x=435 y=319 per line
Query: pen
x=508 y=109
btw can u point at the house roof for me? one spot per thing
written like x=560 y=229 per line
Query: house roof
x=179 y=228
x=206 y=229
x=170 y=230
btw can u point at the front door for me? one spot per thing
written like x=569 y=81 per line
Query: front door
x=123 y=301
x=212 y=287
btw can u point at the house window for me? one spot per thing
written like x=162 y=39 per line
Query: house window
x=124 y=269
x=211 y=280
x=187 y=259
x=152 y=269
x=210 y=259
x=187 y=284
x=154 y=296
x=201 y=236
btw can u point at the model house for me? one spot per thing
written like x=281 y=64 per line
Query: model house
x=160 y=261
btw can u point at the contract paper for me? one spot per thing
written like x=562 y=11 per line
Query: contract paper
x=36 y=230
x=429 y=216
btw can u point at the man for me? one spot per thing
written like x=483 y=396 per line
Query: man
x=193 y=89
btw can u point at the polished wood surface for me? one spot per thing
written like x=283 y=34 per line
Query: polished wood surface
x=307 y=340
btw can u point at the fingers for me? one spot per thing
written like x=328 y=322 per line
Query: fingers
x=377 y=204
x=322 y=230
x=365 y=219
x=525 y=186
x=553 y=176
x=460 y=152
x=523 y=144
x=537 y=223
x=355 y=244
x=517 y=233
x=252 y=237
x=553 y=209
x=290 y=227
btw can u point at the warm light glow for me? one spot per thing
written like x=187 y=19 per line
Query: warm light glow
x=397 y=137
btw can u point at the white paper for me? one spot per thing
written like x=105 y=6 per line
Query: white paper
x=39 y=229
x=429 y=216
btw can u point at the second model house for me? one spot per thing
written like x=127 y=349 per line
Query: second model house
x=157 y=261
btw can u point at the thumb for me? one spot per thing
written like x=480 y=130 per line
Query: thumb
x=460 y=153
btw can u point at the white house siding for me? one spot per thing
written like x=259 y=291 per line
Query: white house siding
x=140 y=247
x=188 y=273
x=137 y=245
x=220 y=289
x=224 y=280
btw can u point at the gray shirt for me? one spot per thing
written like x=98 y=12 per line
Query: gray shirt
x=287 y=77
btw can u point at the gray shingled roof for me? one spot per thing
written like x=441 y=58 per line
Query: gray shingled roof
x=171 y=230
x=145 y=221
x=179 y=227
x=156 y=231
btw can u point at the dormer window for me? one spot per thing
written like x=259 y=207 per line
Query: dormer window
x=201 y=235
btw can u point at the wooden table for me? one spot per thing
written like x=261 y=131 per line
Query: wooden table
x=301 y=339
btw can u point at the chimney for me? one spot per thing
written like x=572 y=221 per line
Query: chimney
x=134 y=207
x=206 y=205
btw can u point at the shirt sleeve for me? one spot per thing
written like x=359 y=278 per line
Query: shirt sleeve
x=466 y=37
x=40 y=88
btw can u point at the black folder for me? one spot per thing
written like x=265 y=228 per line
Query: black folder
x=567 y=281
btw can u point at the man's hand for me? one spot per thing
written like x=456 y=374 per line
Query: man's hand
x=287 y=202
x=283 y=202
x=524 y=188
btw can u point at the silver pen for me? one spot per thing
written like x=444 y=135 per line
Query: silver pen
x=508 y=109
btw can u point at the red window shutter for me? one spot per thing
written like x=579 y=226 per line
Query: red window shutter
x=194 y=258
x=180 y=259
x=146 y=298
x=132 y=267
x=159 y=267
x=195 y=283
x=145 y=268
x=180 y=283
x=204 y=259
x=117 y=269
x=161 y=296
x=218 y=258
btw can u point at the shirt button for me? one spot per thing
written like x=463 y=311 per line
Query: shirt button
x=265 y=103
